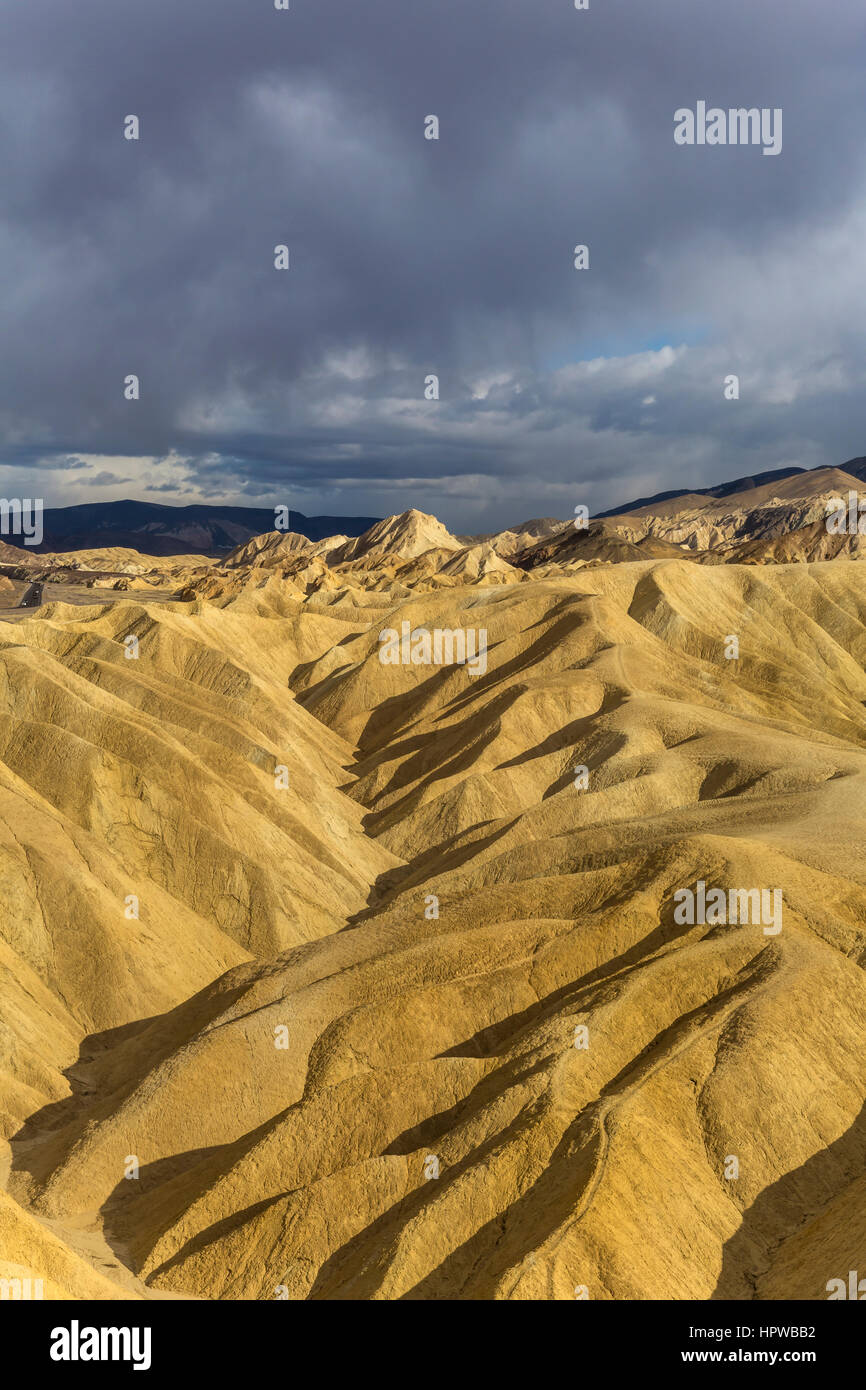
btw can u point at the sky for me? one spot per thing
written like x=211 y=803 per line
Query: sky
x=411 y=257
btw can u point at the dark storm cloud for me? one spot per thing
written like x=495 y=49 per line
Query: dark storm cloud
x=411 y=257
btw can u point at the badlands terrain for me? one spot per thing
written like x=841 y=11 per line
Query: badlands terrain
x=324 y=978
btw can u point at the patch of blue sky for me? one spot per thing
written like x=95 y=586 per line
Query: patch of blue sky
x=621 y=345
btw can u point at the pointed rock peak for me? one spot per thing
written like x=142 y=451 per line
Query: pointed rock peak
x=408 y=535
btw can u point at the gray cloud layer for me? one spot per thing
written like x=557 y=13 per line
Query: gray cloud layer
x=411 y=257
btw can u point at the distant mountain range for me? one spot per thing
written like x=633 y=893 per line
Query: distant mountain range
x=156 y=529
x=854 y=467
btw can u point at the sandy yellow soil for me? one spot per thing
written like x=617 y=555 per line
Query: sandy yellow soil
x=332 y=1091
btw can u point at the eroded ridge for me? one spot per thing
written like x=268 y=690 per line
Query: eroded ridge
x=422 y=1015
